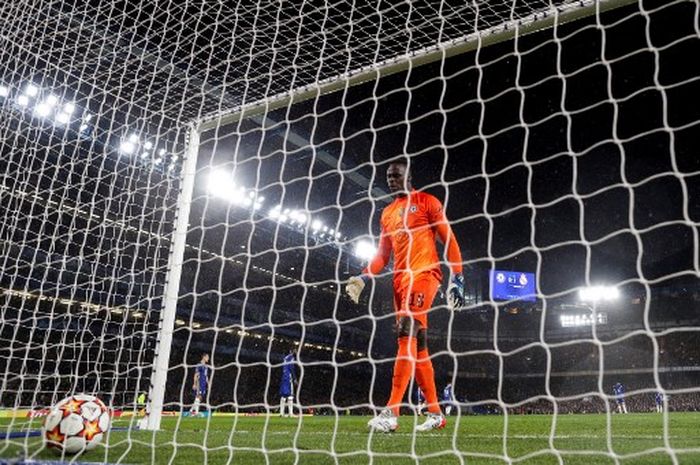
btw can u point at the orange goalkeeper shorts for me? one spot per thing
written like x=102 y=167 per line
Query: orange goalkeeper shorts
x=416 y=299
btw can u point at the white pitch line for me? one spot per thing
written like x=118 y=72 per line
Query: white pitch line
x=469 y=436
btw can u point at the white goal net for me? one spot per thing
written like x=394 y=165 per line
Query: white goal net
x=188 y=181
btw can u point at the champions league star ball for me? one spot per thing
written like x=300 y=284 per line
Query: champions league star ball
x=75 y=424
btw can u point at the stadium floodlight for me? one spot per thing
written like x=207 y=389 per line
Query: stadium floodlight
x=83 y=127
x=31 y=90
x=63 y=118
x=127 y=147
x=579 y=320
x=4 y=91
x=69 y=108
x=43 y=109
x=87 y=117
x=23 y=100
x=274 y=212
x=297 y=216
x=134 y=139
x=52 y=100
x=365 y=249
x=145 y=154
x=598 y=293
x=148 y=145
x=158 y=161
x=161 y=152
x=316 y=225
x=221 y=185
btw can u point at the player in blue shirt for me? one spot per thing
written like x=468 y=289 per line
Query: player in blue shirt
x=448 y=398
x=287 y=384
x=619 y=392
x=659 y=401
x=200 y=384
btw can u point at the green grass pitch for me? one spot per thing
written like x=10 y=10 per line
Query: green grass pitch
x=536 y=439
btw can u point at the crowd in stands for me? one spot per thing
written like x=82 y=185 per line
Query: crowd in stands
x=638 y=403
x=576 y=381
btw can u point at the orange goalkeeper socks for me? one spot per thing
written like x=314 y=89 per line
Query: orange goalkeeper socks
x=425 y=376
x=403 y=370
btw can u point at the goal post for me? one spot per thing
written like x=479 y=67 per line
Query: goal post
x=166 y=325
x=537 y=21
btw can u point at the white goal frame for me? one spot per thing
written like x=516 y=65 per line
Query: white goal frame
x=535 y=22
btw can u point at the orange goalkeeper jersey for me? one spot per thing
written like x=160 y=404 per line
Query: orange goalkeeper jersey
x=410 y=225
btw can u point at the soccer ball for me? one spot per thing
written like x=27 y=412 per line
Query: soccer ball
x=75 y=424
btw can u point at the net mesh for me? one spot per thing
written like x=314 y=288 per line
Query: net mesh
x=195 y=59
x=566 y=156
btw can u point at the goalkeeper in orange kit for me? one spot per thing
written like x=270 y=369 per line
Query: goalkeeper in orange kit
x=409 y=227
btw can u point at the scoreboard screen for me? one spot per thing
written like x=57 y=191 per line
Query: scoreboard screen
x=513 y=285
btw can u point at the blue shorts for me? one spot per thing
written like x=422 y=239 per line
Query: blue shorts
x=201 y=392
x=286 y=388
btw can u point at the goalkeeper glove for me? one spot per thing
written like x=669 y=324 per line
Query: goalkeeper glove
x=455 y=292
x=355 y=286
